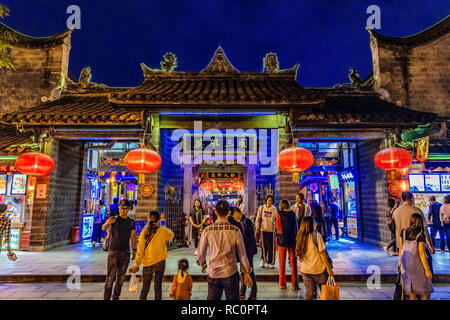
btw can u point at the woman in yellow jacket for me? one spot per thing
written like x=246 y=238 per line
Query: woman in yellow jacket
x=152 y=252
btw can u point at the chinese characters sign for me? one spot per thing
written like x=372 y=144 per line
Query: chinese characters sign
x=422 y=149
x=220 y=144
x=223 y=175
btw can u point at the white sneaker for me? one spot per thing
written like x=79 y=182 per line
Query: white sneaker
x=386 y=250
x=270 y=266
x=262 y=264
x=195 y=253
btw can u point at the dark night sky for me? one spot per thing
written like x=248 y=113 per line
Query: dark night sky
x=325 y=37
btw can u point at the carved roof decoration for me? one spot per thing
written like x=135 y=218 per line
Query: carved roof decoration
x=219 y=64
x=436 y=31
x=23 y=40
x=13 y=142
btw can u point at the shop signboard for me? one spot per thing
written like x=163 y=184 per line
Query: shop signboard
x=88 y=225
x=223 y=175
x=394 y=189
x=334 y=181
x=432 y=183
x=352 y=228
x=19 y=184
x=445 y=182
x=421 y=200
x=220 y=144
x=416 y=183
x=3 y=180
x=15 y=240
x=41 y=191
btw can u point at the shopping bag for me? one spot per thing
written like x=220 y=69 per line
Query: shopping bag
x=133 y=283
x=398 y=290
x=330 y=290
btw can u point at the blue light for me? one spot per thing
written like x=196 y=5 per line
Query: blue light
x=347 y=176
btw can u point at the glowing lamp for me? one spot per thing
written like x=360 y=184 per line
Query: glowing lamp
x=295 y=160
x=113 y=177
x=207 y=185
x=142 y=161
x=404 y=185
x=35 y=164
x=393 y=158
x=237 y=185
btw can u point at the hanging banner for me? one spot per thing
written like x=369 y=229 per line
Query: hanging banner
x=146 y=190
x=394 y=189
x=422 y=149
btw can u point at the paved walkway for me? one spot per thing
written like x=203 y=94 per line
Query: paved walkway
x=266 y=291
x=350 y=258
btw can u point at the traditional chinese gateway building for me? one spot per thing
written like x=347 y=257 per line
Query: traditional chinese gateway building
x=245 y=118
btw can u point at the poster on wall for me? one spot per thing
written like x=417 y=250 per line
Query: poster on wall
x=416 y=183
x=445 y=182
x=19 y=184
x=352 y=228
x=15 y=240
x=421 y=200
x=432 y=182
x=3 y=180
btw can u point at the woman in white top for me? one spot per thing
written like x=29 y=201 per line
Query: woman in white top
x=311 y=251
x=264 y=227
x=445 y=219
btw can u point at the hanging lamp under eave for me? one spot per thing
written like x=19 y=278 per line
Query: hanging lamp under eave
x=142 y=161
x=35 y=164
x=295 y=160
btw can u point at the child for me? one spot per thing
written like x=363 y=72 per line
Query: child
x=182 y=282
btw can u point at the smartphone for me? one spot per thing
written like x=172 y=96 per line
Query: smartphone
x=163 y=223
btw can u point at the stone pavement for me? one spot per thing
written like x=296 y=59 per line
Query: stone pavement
x=266 y=291
x=352 y=261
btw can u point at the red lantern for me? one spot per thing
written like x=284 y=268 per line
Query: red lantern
x=295 y=159
x=35 y=164
x=142 y=160
x=207 y=185
x=238 y=185
x=393 y=158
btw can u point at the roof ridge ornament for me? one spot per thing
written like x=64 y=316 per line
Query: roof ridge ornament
x=219 y=64
x=167 y=66
x=270 y=63
x=84 y=82
x=355 y=82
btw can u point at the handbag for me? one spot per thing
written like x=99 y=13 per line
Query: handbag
x=429 y=258
x=133 y=283
x=330 y=290
x=399 y=293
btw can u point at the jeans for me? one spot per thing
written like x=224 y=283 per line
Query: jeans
x=282 y=272
x=393 y=242
x=117 y=268
x=252 y=275
x=327 y=222
x=335 y=222
x=311 y=280
x=157 y=269
x=434 y=231
x=268 y=247
x=230 y=285
x=97 y=233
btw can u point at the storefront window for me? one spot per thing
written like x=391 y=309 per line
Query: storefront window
x=12 y=191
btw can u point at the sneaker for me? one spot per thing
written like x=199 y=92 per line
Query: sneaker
x=283 y=287
x=386 y=250
x=93 y=244
x=395 y=254
x=195 y=253
x=242 y=297
x=262 y=264
x=270 y=266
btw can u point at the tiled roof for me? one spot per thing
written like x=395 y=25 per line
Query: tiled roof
x=359 y=109
x=13 y=142
x=28 y=41
x=75 y=110
x=438 y=30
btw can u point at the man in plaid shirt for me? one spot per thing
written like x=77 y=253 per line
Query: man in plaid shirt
x=5 y=226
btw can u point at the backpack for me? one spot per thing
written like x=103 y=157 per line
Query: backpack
x=330 y=261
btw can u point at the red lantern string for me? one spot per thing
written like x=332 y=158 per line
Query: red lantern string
x=35 y=164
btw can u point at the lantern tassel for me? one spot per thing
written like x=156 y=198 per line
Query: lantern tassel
x=141 y=178
x=296 y=177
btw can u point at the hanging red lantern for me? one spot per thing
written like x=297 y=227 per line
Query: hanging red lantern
x=142 y=161
x=237 y=185
x=295 y=160
x=35 y=164
x=207 y=185
x=393 y=158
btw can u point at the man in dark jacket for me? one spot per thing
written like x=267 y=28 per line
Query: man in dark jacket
x=286 y=230
x=435 y=218
x=250 y=248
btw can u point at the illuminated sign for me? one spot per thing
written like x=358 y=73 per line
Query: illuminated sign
x=5 y=168
x=223 y=175
x=347 y=176
x=394 y=189
x=15 y=240
x=220 y=144
x=334 y=181
x=146 y=190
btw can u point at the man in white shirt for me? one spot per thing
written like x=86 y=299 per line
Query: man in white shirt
x=402 y=216
x=300 y=208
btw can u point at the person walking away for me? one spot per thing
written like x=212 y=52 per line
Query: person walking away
x=326 y=217
x=334 y=218
x=391 y=225
x=132 y=212
x=300 y=208
x=240 y=203
x=98 y=223
x=5 y=227
x=223 y=240
x=314 y=265
x=152 y=253
x=265 y=220
x=182 y=282
x=435 y=217
x=416 y=273
x=320 y=225
x=250 y=249
x=113 y=209
x=402 y=216
x=286 y=229
x=197 y=218
x=122 y=231
x=445 y=219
